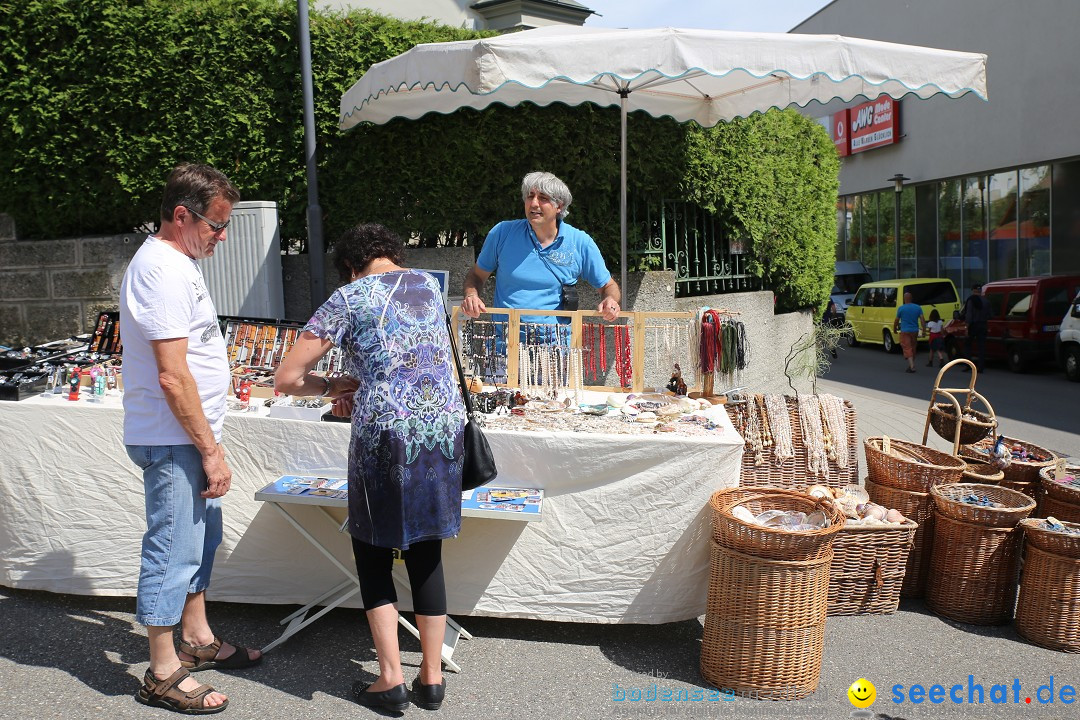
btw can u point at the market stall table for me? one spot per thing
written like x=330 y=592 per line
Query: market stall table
x=624 y=538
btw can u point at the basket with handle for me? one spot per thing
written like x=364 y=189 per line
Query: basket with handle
x=974 y=425
x=735 y=495
x=956 y=422
x=949 y=501
x=917 y=507
x=775 y=543
x=908 y=466
x=868 y=568
x=1046 y=611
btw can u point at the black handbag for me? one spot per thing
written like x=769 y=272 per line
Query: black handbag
x=477 y=464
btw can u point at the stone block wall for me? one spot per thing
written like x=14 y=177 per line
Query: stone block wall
x=51 y=289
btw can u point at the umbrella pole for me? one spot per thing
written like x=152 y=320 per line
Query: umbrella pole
x=623 y=94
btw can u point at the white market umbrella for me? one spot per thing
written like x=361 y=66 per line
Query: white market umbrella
x=707 y=76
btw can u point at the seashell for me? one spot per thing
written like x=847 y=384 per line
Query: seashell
x=741 y=513
x=822 y=492
x=629 y=410
x=849 y=507
x=767 y=517
x=895 y=516
x=704 y=404
x=645 y=416
x=856 y=491
x=616 y=400
x=818 y=519
x=872 y=521
x=872 y=510
x=688 y=405
x=792 y=519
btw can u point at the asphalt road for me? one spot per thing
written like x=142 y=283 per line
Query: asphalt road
x=65 y=657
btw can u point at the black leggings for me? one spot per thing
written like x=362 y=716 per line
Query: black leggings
x=423 y=561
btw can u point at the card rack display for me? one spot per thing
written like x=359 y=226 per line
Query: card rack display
x=105 y=339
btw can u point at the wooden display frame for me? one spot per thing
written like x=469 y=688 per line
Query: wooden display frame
x=635 y=320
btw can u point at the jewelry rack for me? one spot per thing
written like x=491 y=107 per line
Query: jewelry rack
x=636 y=325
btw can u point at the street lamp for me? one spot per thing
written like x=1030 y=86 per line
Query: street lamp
x=898 y=185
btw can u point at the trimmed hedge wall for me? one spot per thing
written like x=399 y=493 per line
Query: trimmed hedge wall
x=99 y=99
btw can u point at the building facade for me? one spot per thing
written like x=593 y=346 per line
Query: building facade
x=987 y=189
x=502 y=15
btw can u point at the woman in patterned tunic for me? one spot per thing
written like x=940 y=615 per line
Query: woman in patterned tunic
x=406 y=446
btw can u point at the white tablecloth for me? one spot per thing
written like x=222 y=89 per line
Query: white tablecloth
x=624 y=536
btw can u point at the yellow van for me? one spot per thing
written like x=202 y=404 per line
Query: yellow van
x=873 y=310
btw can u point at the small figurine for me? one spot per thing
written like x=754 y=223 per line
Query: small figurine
x=676 y=383
x=1000 y=455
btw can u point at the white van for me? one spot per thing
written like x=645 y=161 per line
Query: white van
x=1068 y=341
x=848 y=276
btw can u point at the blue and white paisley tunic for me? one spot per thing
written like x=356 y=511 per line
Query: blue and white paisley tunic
x=407 y=421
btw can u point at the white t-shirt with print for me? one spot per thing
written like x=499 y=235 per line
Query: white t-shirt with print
x=163 y=296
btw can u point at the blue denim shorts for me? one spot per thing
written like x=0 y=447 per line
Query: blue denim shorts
x=183 y=530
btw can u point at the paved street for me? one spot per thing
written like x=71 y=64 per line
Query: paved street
x=69 y=657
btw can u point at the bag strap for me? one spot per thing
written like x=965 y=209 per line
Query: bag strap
x=461 y=373
x=540 y=254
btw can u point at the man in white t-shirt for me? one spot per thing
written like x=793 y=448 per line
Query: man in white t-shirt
x=176 y=376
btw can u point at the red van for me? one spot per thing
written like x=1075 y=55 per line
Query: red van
x=1025 y=315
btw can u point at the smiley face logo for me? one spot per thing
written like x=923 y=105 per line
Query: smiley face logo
x=862 y=693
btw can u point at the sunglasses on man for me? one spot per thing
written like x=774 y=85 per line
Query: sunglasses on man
x=216 y=227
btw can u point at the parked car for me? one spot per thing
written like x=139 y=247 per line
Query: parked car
x=848 y=277
x=1067 y=344
x=1025 y=317
x=872 y=312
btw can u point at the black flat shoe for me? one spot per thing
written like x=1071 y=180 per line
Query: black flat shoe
x=396 y=699
x=429 y=697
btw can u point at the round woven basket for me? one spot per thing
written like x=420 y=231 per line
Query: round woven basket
x=974 y=427
x=1061 y=491
x=981 y=472
x=1037 y=535
x=1046 y=612
x=764 y=624
x=1052 y=507
x=909 y=466
x=918 y=507
x=1017 y=471
x=735 y=495
x=947 y=501
x=868 y=567
x=773 y=543
x=973 y=571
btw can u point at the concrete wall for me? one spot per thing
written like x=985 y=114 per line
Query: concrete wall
x=1030 y=117
x=51 y=289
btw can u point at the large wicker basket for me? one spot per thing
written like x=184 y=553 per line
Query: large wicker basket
x=1052 y=507
x=868 y=568
x=1065 y=493
x=774 y=543
x=918 y=507
x=1017 y=472
x=947 y=501
x=981 y=472
x=974 y=427
x=764 y=624
x=973 y=571
x=908 y=466
x=1048 y=610
x=792 y=473
x=725 y=497
x=1036 y=534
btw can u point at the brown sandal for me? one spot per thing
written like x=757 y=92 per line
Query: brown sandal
x=205 y=657
x=165 y=694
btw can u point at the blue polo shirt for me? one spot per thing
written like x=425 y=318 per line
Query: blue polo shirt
x=522 y=277
x=909 y=314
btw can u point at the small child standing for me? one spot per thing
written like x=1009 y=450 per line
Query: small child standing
x=937 y=338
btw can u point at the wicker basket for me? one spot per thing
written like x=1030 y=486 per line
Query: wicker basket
x=918 y=507
x=773 y=543
x=1052 y=507
x=981 y=472
x=1048 y=611
x=868 y=567
x=1018 y=471
x=734 y=496
x=1058 y=543
x=947 y=502
x=909 y=466
x=764 y=625
x=974 y=427
x=793 y=473
x=1065 y=493
x=973 y=571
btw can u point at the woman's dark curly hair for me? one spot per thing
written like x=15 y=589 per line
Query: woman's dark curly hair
x=363 y=243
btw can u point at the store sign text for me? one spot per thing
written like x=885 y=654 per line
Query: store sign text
x=874 y=124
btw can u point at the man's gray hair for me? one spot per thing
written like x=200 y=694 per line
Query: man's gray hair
x=549 y=185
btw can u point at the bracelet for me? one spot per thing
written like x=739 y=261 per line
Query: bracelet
x=326 y=390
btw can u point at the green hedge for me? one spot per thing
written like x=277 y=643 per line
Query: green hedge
x=100 y=98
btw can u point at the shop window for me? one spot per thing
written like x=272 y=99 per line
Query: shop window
x=950 y=233
x=1034 y=227
x=1003 y=212
x=1065 y=214
x=973 y=224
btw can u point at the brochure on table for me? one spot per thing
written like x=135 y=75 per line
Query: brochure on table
x=525 y=504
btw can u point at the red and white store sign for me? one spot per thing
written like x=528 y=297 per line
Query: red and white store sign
x=874 y=124
x=840 y=134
